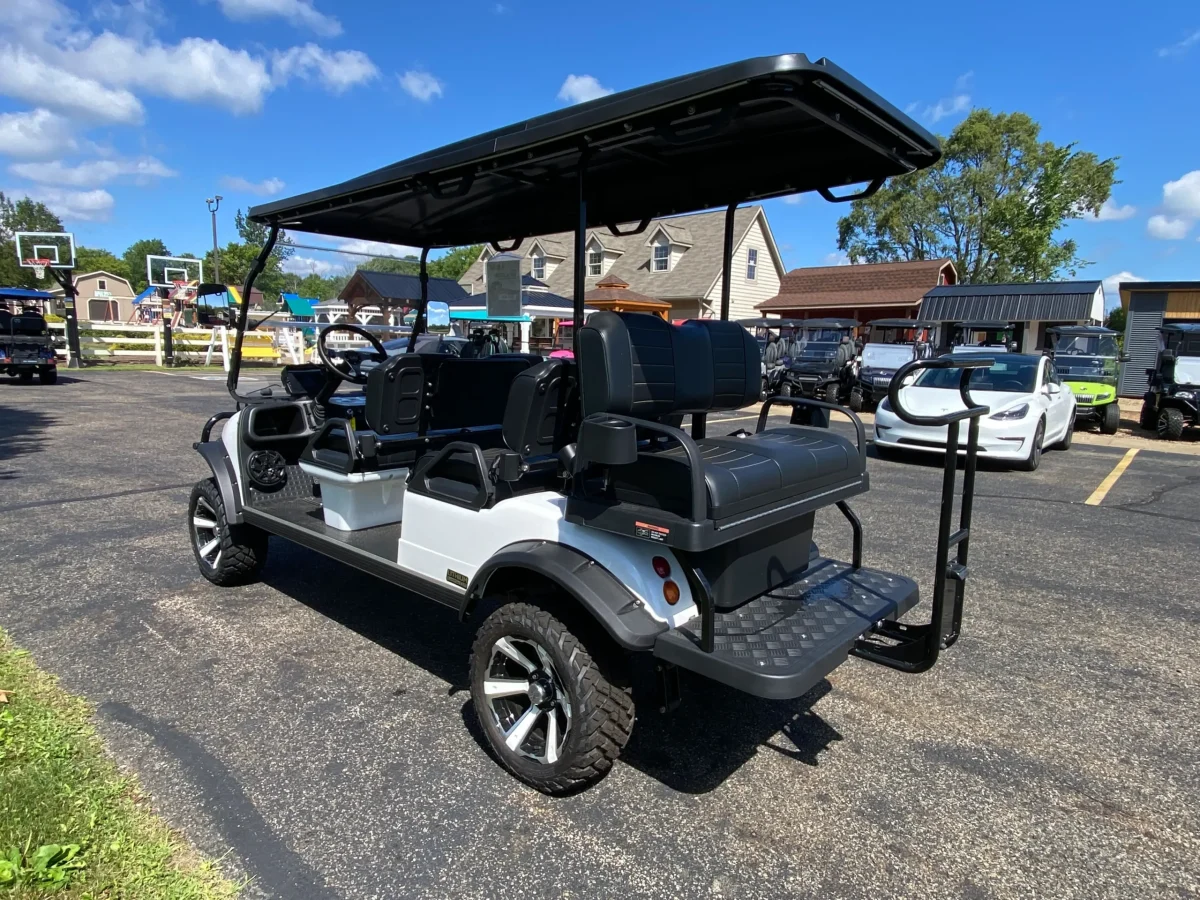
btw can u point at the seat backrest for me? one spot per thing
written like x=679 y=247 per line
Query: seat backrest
x=396 y=393
x=542 y=403
x=640 y=365
x=471 y=393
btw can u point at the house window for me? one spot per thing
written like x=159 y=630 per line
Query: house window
x=941 y=279
x=662 y=257
x=101 y=284
x=595 y=262
x=539 y=267
x=751 y=263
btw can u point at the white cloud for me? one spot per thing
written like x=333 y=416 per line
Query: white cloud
x=958 y=102
x=27 y=77
x=307 y=265
x=1182 y=198
x=266 y=188
x=339 y=71
x=837 y=258
x=94 y=172
x=35 y=135
x=582 y=88
x=1168 y=228
x=1110 y=212
x=793 y=199
x=300 y=13
x=1181 y=47
x=1112 y=287
x=421 y=85
x=83 y=206
x=378 y=248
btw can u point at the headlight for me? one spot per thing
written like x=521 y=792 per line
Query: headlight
x=1186 y=395
x=1017 y=412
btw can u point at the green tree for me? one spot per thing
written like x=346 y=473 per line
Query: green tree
x=455 y=262
x=135 y=260
x=1116 y=319
x=89 y=259
x=995 y=204
x=23 y=215
x=408 y=266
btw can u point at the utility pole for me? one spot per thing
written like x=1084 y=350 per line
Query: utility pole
x=213 y=204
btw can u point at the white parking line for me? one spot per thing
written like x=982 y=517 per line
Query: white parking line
x=1110 y=479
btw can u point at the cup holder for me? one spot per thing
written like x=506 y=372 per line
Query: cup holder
x=607 y=441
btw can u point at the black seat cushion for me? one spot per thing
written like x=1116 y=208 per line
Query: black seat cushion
x=470 y=393
x=741 y=474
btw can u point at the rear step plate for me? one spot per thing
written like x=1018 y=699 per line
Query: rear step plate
x=781 y=644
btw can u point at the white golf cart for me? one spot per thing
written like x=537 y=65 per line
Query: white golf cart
x=559 y=500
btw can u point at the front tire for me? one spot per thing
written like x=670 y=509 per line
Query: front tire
x=227 y=554
x=1170 y=424
x=856 y=400
x=833 y=393
x=1110 y=420
x=48 y=376
x=1030 y=463
x=785 y=388
x=1149 y=416
x=553 y=710
x=1065 y=443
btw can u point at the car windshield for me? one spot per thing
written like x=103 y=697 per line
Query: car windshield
x=886 y=356
x=1187 y=370
x=1073 y=345
x=1084 y=366
x=816 y=350
x=1013 y=374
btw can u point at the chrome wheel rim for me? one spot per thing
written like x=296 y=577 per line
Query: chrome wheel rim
x=527 y=699
x=206 y=533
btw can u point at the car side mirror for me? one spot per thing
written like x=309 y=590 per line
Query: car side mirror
x=1052 y=388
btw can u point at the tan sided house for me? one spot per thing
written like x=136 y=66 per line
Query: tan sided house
x=100 y=297
x=676 y=259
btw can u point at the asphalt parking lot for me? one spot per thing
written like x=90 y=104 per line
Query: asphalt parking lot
x=313 y=730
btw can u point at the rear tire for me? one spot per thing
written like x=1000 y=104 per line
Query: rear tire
x=765 y=392
x=1149 y=416
x=48 y=376
x=568 y=680
x=25 y=376
x=227 y=554
x=1034 y=459
x=1170 y=424
x=1110 y=420
x=1065 y=443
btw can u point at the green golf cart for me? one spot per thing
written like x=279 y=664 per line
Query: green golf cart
x=1088 y=360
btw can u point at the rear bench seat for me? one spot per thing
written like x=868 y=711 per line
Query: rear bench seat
x=641 y=367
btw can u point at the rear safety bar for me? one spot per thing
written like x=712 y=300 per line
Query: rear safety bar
x=915 y=648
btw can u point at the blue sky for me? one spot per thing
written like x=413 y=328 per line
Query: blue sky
x=123 y=115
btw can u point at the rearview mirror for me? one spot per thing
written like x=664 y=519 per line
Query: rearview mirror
x=437 y=318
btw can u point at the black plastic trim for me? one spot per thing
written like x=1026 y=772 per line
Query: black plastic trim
x=222 y=468
x=600 y=592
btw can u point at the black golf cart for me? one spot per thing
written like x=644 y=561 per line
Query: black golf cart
x=890 y=344
x=558 y=500
x=971 y=337
x=782 y=334
x=1172 y=401
x=1088 y=359
x=821 y=362
x=26 y=347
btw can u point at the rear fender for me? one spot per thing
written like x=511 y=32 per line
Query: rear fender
x=594 y=587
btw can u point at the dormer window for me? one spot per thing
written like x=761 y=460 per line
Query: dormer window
x=101 y=284
x=662 y=257
x=595 y=262
x=751 y=263
x=539 y=267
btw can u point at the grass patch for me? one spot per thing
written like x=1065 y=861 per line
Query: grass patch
x=71 y=826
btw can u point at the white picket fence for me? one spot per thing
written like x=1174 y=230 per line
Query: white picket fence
x=133 y=343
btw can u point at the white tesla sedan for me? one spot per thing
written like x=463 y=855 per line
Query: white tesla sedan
x=1029 y=409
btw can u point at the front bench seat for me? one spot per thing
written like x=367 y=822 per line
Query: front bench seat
x=641 y=366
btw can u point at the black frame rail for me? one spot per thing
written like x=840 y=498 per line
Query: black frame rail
x=915 y=647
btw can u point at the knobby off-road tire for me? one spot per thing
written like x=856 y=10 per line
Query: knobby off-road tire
x=1110 y=420
x=1170 y=424
x=227 y=554
x=833 y=394
x=856 y=401
x=585 y=672
x=1034 y=459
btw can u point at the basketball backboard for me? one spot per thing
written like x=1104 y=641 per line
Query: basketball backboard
x=45 y=250
x=169 y=271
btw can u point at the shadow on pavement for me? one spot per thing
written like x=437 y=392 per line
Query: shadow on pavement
x=693 y=749
x=21 y=432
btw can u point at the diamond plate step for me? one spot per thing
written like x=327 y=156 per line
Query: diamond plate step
x=781 y=644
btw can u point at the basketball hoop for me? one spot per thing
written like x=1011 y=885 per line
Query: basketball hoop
x=38 y=266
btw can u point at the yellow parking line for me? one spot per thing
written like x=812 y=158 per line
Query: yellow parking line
x=1106 y=485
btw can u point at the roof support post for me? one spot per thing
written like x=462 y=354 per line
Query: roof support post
x=419 y=321
x=235 y=358
x=580 y=253
x=727 y=261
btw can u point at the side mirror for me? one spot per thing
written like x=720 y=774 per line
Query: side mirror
x=1167 y=355
x=437 y=318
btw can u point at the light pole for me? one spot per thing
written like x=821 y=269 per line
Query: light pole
x=213 y=204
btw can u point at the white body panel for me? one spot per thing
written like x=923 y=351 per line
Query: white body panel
x=1001 y=439
x=438 y=536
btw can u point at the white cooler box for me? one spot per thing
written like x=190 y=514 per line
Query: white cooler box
x=361 y=499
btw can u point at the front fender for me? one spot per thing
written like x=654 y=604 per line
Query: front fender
x=223 y=471
x=594 y=587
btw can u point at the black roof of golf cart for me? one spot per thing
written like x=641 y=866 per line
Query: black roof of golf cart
x=771 y=323
x=830 y=323
x=902 y=323
x=804 y=125
x=1081 y=330
x=984 y=326
x=1182 y=328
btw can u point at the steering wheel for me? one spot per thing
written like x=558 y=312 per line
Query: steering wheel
x=348 y=366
